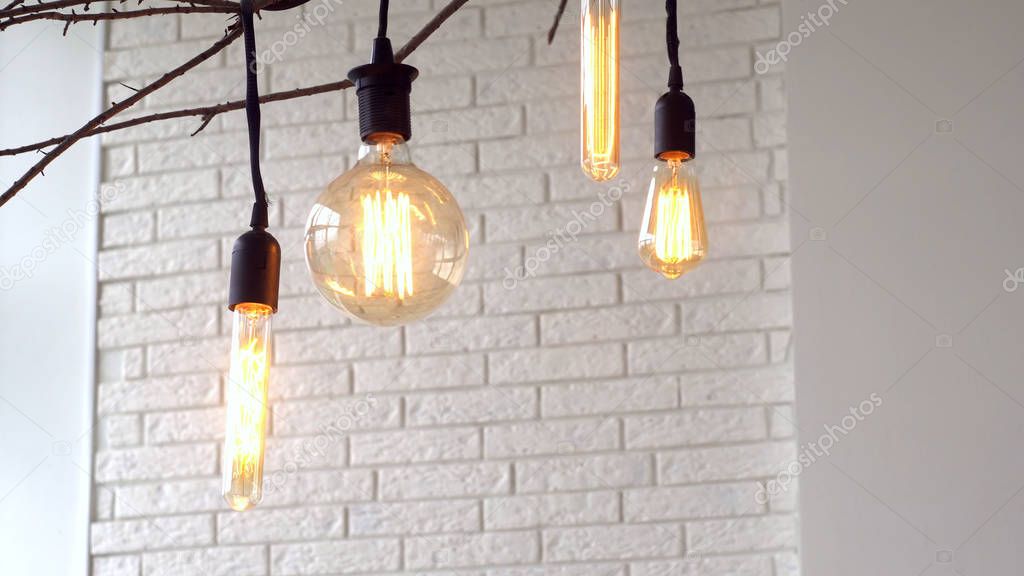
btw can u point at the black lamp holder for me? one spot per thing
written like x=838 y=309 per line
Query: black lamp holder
x=675 y=118
x=383 y=87
x=256 y=255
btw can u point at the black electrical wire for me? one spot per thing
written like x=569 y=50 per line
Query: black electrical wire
x=671 y=34
x=382 y=26
x=675 y=118
x=675 y=77
x=260 y=219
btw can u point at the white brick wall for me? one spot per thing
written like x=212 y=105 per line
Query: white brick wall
x=592 y=418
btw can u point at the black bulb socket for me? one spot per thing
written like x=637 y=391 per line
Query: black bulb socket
x=383 y=88
x=255 y=270
x=675 y=124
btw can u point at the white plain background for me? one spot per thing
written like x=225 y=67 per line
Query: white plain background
x=48 y=85
x=905 y=127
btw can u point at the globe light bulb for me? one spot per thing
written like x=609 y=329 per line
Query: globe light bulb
x=673 y=239
x=386 y=243
x=599 y=88
x=246 y=427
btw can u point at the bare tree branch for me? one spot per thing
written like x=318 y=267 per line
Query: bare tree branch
x=207 y=113
x=233 y=32
x=428 y=29
x=15 y=9
x=72 y=17
x=558 y=18
x=97 y=124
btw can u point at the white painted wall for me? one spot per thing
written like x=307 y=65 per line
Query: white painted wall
x=907 y=198
x=48 y=86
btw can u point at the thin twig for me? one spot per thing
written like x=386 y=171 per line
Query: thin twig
x=558 y=18
x=207 y=113
x=75 y=17
x=428 y=29
x=221 y=3
x=230 y=36
x=13 y=9
x=206 y=121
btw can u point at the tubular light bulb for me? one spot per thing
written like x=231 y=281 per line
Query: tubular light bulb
x=599 y=90
x=673 y=240
x=386 y=243
x=242 y=469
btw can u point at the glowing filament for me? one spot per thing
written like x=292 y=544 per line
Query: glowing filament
x=247 y=411
x=672 y=232
x=600 y=89
x=387 y=243
x=672 y=237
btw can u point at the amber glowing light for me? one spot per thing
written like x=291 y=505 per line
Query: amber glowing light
x=673 y=239
x=599 y=90
x=242 y=467
x=386 y=242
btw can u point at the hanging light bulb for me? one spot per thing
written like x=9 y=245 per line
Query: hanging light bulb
x=252 y=298
x=599 y=88
x=672 y=236
x=242 y=481
x=386 y=243
x=673 y=239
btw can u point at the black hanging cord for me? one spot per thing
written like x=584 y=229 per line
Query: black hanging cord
x=675 y=118
x=382 y=26
x=260 y=219
x=675 y=76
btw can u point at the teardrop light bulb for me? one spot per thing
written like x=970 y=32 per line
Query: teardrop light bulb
x=246 y=430
x=673 y=239
x=386 y=243
x=599 y=88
